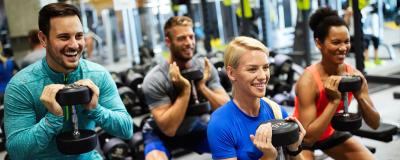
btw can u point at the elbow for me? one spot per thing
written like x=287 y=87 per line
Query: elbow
x=376 y=123
x=309 y=139
x=128 y=133
x=169 y=132
x=14 y=151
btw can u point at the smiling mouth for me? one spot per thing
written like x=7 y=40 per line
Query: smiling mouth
x=71 y=54
x=259 y=85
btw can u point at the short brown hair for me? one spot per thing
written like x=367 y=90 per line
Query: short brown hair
x=55 y=10
x=177 y=21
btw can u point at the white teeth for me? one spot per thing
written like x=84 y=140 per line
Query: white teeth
x=259 y=85
x=71 y=53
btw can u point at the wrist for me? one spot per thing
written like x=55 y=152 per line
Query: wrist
x=268 y=157
x=201 y=86
x=293 y=151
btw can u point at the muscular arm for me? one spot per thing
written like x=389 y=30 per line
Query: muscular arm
x=216 y=97
x=211 y=87
x=170 y=116
x=369 y=113
x=306 y=93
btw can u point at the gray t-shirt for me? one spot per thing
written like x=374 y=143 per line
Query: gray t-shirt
x=158 y=90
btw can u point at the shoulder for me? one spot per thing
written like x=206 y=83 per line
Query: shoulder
x=88 y=66
x=157 y=73
x=31 y=74
x=306 y=79
x=222 y=114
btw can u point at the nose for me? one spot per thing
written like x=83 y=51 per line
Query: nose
x=73 y=43
x=343 y=47
x=262 y=74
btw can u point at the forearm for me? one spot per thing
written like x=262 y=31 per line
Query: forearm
x=216 y=99
x=298 y=157
x=115 y=122
x=24 y=142
x=171 y=119
x=369 y=113
x=318 y=126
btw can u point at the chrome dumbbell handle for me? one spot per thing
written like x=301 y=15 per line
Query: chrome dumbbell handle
x=75 y=122
x=194 y=92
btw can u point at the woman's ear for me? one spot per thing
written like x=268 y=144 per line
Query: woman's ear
x=318 y=43
x=230 y=72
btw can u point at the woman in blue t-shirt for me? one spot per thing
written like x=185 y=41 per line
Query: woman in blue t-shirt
x=233 y=130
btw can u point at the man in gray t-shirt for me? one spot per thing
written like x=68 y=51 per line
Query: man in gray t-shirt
x=167 y=93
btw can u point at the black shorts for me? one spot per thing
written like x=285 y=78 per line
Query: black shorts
x=369 y=38
x=334 y=140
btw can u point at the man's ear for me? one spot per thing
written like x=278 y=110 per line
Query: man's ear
x=230 y=72
x=42 y=38
x=167 y=41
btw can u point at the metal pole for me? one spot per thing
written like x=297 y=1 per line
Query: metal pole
x=358 y=37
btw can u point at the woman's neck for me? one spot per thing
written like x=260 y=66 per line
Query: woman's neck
x=249 y=105
x=331 y=68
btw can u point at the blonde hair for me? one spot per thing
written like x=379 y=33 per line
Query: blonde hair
x=176 y=21
x=240 y=45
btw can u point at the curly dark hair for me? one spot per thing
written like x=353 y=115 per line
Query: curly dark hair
x=322 y=20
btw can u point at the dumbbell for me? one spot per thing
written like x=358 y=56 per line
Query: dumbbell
x=131 y=101
x=283 y=63
x=283 y=132
x=218 y=63
x=79 y=140
x=198 y=105
x=285 y=99
x=346 y=121
x=396 y=95
x=136 y=145
x=134 y=80
x=117 y=79
x=115 y=149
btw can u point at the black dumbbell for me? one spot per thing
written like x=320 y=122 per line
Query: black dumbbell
x=346 y=121
x=283 y=132
x=285 y=99
x=130 y=100
x=117 y=79
x=283 y=63
x=136 y=144
x=198 y=105
x=396 y=95
x=73 y=95
x=79 y=140
x=115 y=149
x=133 y=79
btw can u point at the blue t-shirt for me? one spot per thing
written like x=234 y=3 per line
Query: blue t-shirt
x=229 y=131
